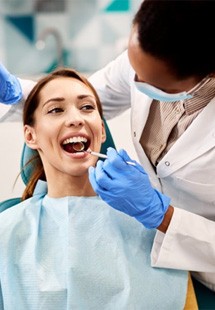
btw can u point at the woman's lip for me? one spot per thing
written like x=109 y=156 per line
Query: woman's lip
x=78 y=155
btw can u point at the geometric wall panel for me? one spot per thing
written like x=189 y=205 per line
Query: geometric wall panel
x=118 y=6
x=24 y=24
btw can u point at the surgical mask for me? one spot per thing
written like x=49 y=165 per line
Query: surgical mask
x=160 y=95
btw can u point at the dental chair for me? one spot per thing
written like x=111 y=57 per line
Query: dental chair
x=205 y=297
x=27 y=167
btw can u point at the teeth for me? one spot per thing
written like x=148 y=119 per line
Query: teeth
x=74 y=140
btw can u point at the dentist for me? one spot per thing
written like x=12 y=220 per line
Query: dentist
x=167 y=78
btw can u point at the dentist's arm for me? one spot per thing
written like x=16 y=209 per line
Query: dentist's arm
x=166 y=220
x=127 y=188
x=10 y=88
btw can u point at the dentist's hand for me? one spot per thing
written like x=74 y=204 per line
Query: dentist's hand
x=127 y=188
x=10 y=88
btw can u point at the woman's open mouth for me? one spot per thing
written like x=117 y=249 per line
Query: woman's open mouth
x=76 y=144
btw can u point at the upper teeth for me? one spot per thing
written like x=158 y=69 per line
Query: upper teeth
x=74 y=140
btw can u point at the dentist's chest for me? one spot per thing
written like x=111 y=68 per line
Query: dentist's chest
x=187 y=170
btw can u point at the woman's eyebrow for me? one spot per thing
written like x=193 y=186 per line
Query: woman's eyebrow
x=57 y=99
x=60 y=99
x=85 y=96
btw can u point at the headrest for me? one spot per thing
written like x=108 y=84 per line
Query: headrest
x=27 y=164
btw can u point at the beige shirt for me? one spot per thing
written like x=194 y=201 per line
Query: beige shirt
x=167 y=121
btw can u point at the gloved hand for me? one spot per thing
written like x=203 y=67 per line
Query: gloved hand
x=10 y=88
x=127 y=188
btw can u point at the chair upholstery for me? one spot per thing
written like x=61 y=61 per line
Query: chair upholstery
x=9 y=203
x=205 y=297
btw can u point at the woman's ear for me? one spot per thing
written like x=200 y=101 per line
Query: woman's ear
x=30 y=137
x=104 y=136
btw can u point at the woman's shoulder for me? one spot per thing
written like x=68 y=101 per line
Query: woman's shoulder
x=18 y=216
x=14 y=211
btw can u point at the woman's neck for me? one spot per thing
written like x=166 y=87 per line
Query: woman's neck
x=69 y=186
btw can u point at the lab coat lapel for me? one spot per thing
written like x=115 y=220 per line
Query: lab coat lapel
x=140 y=106
x=139 y=115
x=140 y=112
x=195 y=141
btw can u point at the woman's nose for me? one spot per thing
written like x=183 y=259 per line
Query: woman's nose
x=74 y=119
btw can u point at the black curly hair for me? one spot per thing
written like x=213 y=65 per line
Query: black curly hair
x=181 y=33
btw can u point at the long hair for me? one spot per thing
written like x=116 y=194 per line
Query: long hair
x=30 y=107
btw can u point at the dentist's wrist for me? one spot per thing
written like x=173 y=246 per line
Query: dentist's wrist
x=166 y=220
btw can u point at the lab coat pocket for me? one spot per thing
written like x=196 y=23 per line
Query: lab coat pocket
x=196 y=197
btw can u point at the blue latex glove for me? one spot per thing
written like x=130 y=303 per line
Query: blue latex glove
x=127 y=188
x=10 y=88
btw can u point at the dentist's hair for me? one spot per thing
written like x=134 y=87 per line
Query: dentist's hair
x=30 y=107
x=181 y=33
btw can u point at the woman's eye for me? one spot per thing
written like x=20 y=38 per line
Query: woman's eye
x=88 y=107
x=55 y=110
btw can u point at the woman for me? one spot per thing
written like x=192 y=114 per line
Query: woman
x=63 y=247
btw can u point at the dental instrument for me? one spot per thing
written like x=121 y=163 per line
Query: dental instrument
x=79 y=147
x=105 y=156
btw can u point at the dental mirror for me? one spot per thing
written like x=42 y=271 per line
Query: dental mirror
x=78 y=146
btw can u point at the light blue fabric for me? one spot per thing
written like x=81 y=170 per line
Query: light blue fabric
x=79 y=253
x=158 y=94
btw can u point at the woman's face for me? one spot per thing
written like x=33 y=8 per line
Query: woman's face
x=67 y=112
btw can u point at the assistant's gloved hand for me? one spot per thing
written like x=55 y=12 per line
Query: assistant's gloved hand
x=10 y=88
x=127 y=188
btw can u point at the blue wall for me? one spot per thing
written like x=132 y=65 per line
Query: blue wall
x=93 y=32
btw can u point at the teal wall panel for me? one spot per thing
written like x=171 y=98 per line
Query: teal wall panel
x=24 y=24
x=118 y=6
x=92 y=31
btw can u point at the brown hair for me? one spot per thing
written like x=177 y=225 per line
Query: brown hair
x=30 y=107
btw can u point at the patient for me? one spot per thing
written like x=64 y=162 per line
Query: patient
x=63 y=247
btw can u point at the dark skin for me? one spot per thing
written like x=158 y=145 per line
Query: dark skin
x=156 y=73
x=166 y=220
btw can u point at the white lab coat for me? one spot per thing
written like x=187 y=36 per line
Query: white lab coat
x=186 y=173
